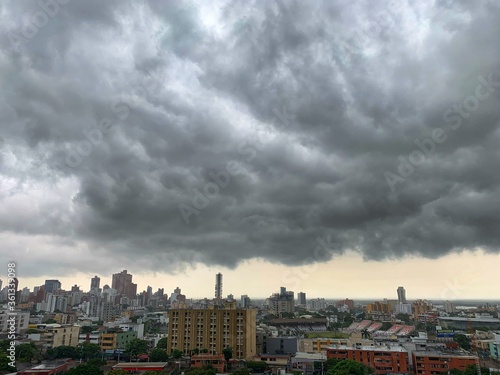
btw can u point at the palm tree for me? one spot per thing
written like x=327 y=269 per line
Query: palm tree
x=365 y=334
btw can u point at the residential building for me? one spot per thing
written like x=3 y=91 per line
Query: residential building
x=122 y=283
x=92 y=338
x=21 y=320
x=52 y=286
x=438 y=361
x=281 y=345
x=401 y=295
x=113 y=339
x=346 y=302
x=282 y=302
x=307 y=362
x=218 y=286
x=49 y=368
x=449 y=307
x=420 y=307
x=213 y=329
x=301 y=299
x=217 y=361
x=58 y=335
x=245 y=302
x=383 y=359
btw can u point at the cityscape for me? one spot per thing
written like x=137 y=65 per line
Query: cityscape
x=249 y=187
x=166 y=331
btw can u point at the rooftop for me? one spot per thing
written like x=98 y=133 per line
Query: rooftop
x=376 y=348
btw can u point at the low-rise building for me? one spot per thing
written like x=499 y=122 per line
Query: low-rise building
x=439 y=361
x=217 y=361
x=111 y=340
x=383 y=359
x=55 y=335
x=18 y=319
x=49 y=368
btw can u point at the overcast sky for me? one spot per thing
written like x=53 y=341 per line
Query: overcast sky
x=355 y=143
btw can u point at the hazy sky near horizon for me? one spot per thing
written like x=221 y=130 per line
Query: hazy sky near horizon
x=354 y=142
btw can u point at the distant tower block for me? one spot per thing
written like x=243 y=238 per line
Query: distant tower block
x=401 y=295
x=218 y=286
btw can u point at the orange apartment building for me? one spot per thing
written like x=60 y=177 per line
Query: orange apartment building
x=382 y=359
x=434 y=362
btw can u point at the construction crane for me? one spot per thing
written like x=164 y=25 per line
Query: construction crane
x=470 y=329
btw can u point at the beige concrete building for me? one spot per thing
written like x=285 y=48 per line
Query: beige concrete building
x=214 y=330
x=57 y=335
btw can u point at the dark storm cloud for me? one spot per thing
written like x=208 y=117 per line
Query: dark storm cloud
x=119 y=118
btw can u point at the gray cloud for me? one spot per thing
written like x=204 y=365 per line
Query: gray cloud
x=114 y=114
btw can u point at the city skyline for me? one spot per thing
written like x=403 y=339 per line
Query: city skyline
x=335 y=148
x=303 y=279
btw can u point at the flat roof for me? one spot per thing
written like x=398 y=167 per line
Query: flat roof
x=375 y=348
x=444 y=353
x=459 y=319
x=142 y=365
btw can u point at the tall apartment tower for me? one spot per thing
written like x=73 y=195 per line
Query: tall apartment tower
x=95 y=282
x=218 y=286
x=122 y=283
x=214 y=330
x=52 y=285
x=301 y=298
x=401 y=295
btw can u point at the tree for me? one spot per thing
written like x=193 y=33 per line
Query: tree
x=158 y=355
x=5 y=366
x=86 y=329
x=404 y=317
x=241 y=371
x=26 y=352
x=85 y=369
x=162 y=343
x=365 y=334
x=204 y=370
x=118 y=372
x=228 y=353
x=136 y=347
x=463 y=341
x=87 y=350
x=257 y=366
x=348 y=367
x=176 y=353
x=385 y=326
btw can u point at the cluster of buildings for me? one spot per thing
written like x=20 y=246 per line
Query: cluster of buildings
x=284 y=332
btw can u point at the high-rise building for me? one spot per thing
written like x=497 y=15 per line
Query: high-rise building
x=449 y=307
x=95 y=283
x=245 y=301
x=301 y=298
x=214 y=330
x=218 y=286
x=122 y=283
x=401 y=295
x=282 y=302
x=52 y=285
